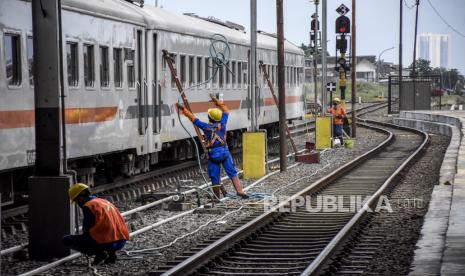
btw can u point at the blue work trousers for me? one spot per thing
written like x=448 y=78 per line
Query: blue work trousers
x=337 y=129
x=217 y=157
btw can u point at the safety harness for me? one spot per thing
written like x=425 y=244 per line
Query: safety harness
x=215 y=136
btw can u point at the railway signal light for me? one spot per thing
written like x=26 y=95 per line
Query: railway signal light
x=315 y=24
x=342 y=25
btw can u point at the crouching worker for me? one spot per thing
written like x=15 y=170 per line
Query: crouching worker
x=104 y=229
x=339 y=113
x=218 y=153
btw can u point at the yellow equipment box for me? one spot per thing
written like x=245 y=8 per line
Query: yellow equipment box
x=254 y=154
x=323 y=132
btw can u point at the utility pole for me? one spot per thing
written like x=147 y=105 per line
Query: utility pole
x=50 y=213
x=253 y=64
x=282 y=87
x=324 y=47
x=401 y=15
x=315 y=51
x=156 y=3
x=414 y=73
x=354 y=68
x=415 y=41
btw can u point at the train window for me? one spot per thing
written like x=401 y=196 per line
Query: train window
x=191 y=71
x=239 y=74
x=104 y=67
x=228 y=76
x=89 y=75
x=199 y=70
x=73 y=63
x=173 y=60
x=234 y=74
x=215 y=73
x=129 y=55
x=295 y=76
x=30 y=59
x=118 y=67
x=245 y=73
x=182 y=68
x=221 y=76
x=12 y=46
x=207 y=71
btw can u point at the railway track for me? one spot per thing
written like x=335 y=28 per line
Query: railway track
x=15 y=220
x=302 y=242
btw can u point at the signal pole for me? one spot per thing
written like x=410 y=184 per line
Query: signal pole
x=324 y=48
x=400 y=46
x=282 y=87
x=354 y=67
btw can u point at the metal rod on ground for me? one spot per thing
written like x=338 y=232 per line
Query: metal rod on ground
x=354 y=68
x=253 y=64
x=401 y=15
x=282 y=87
x=174 y=73
x=324 y=48
x=276 y=101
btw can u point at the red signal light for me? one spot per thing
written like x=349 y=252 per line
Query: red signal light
x=342 y=29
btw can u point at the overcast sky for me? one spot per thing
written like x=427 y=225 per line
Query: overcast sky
x=377 y=22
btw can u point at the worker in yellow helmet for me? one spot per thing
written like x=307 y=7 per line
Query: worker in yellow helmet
x=218 y=153
x=339 y=113
x=104 y=228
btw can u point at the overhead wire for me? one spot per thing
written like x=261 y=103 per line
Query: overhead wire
x=445 y=21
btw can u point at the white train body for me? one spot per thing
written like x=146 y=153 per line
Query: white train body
x=119 y=92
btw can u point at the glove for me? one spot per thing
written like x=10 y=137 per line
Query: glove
x=186 y=112
x=220 y=104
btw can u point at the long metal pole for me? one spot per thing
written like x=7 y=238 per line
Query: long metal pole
x=282 y=87
x=354 y=67
x=324 y=47
x=401 y=15
x=414 y=73
x=253 y=64
x=315 y=53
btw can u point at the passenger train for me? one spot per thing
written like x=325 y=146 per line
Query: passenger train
x=120 y=96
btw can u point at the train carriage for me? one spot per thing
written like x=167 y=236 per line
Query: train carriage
x=120 y=96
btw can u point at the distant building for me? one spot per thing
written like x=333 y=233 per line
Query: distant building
x=435 y=48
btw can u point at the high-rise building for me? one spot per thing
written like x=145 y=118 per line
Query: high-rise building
x=435 y=48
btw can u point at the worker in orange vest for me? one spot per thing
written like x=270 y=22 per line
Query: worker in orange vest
x=339 y=113
x=218 y=153
x=104 y=228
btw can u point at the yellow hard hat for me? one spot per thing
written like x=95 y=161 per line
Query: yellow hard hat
x=215 y=114
x=76 y=189
x=337 y=100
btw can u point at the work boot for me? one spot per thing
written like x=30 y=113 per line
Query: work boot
x=99 y=258
x=111 y=258
x=237 y=185
x=217 y=193
x=223 y=190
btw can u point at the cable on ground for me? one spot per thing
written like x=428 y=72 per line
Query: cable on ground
x=138 y=254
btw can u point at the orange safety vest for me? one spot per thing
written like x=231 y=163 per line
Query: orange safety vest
x=339 y=111
x=109 y=224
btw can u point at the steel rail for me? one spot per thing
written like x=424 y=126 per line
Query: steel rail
x=332 y=248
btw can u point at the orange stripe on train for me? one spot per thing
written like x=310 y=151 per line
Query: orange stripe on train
x=26 y=118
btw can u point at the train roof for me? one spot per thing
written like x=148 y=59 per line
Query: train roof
x=161 y=19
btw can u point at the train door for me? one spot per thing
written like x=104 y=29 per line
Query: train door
x=141 y=86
